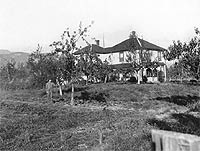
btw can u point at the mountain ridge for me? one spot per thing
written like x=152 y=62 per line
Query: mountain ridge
x=19 y=57
x=4 y=51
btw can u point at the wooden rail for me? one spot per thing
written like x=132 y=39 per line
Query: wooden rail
x=173 y=141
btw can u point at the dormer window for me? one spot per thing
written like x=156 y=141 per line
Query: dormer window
x=121 y=57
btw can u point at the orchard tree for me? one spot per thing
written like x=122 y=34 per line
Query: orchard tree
x=140 y=63
x=64 y=49
x=187 y=55
x=143 y=61
x=8 y=71
x=105 y=71
x=42 y=67
x=90 y=64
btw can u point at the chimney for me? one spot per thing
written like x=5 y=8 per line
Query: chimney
x=133 y=34
x=97 y=42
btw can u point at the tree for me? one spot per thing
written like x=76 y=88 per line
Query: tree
x=91 y=65
x=64 y=50
x=8 y=71
x=42 y=67
x=187 y=55
x=140 y=63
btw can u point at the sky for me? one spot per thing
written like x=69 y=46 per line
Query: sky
x=26 y=23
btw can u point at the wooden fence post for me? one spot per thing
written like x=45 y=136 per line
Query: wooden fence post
x=173 y=141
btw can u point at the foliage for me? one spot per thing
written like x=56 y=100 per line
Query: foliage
x=187 y=54
x=64 y=49
x=175 y=71
x=104 y=71
x=90 y=64
x=14 y=76
x=143 y=61
x=42 y=67
x=8 y=71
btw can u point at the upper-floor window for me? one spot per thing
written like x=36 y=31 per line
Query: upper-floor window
x=159 y=56
x=121 y=57
x=147 y=55
x=149 y=72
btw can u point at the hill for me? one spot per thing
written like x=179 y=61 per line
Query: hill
x=4 y=51
x=19 y=57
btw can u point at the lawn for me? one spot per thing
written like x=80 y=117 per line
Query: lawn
x=123 y=114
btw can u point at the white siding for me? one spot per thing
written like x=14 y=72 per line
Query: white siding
x=155 y=56
x=113 y=58
x=104 y=57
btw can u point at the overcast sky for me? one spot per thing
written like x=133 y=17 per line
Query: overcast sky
x=25 y=23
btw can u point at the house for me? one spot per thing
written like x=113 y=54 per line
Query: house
x=119 y=57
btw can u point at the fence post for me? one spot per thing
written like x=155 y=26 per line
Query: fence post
x=173 y=141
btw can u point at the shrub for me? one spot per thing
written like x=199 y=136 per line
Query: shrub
x=132 y=80
x=99 y=96
x=144 y=79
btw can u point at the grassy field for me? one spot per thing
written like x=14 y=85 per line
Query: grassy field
x=123 y=114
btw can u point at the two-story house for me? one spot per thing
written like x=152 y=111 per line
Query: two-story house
x=135 y=48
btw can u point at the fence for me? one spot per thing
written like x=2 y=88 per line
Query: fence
x=173 y=141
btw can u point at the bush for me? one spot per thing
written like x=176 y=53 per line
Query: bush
x=132 y=80
x=100 y=97
x=144 y=79
x=113 y=78
x=17 y=84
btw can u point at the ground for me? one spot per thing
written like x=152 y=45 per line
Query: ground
x=109 y=117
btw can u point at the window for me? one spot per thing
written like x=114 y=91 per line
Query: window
x=159 y=56
x=121 y=57
x=149 y=72
x=155 y=71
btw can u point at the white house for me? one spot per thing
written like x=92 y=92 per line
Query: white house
x=118 y=55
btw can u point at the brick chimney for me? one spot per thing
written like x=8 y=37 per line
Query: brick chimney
x=97 y=42
x=133 y=34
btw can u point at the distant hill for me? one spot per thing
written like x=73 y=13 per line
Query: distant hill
x=4 y=51
x=19 y=57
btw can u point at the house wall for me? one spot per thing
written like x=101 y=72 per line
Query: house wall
x=158 y=56
x=104 y=57
x=113 y=58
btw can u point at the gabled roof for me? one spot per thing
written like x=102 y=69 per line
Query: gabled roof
x=128 y=44
x=95 y=48
x=149 y=46
x=134 y=44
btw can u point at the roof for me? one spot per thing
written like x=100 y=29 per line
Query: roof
x=95 y=48
x=121 y=66
x=128 y=44
x=135 y=44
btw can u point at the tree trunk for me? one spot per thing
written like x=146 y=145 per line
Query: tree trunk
x=100 y=137
x=87 y=80
x=72 y=95
x=9 y=76
x=105 y=80
x=165 y=71
x=59 y=87
x=60 y=90
x=139 y=76
x=181 y=74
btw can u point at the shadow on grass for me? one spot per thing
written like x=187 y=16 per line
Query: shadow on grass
x=76 y=89
x=179 y=100
x=185 y=123
x=100 y=97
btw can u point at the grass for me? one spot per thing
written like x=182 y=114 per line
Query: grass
x=31 y=122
